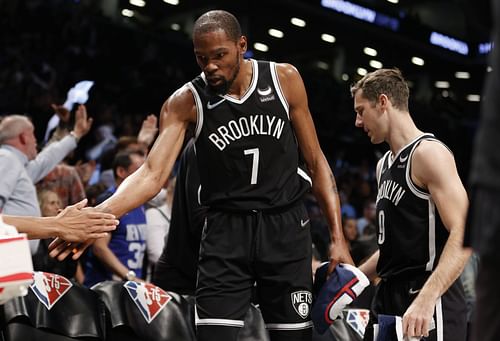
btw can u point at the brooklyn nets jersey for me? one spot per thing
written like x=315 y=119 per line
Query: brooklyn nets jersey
x=246 y=149
x=411 y=235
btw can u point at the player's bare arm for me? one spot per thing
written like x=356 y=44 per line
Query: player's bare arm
x=433 y=168
x=324 y=185
x=176 y=114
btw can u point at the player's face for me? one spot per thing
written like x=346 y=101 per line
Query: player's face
x=219 y=58
x=368 y=117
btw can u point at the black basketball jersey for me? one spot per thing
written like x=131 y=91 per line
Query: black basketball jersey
x=411 y=235
x=246 y=149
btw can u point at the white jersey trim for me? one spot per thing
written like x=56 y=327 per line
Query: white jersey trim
x=277 y=86
x=304 y=175
x=432 y=236
x=199 y=110
x=289 y=326
x=251 y=88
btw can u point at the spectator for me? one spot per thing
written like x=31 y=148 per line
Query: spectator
x=120 y=254
x=21 y=166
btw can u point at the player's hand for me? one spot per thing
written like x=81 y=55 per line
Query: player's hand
x=339 y=253
x=77 y=223
x=417 y=318
x=61 y=249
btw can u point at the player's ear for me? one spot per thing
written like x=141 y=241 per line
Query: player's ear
x=243 y=44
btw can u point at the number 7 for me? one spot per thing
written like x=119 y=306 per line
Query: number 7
x=255 y=163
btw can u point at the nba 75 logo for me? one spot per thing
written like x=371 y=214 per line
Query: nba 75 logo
x=49 y=288
x=301 y=302
x=149 y=299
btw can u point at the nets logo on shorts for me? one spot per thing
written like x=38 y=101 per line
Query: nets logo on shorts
x=301 y=302
x=149 y=299
x=49 y=288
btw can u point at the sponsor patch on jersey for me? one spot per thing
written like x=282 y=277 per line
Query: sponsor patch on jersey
x=357 y=319
x=49 y=288
x=149 y=299
x=301 y=302
x=266 y=94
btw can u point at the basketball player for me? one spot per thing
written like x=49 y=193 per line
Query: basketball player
x=421 y=210
x=251 y=123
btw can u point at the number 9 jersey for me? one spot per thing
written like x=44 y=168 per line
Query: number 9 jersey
x=246 y=148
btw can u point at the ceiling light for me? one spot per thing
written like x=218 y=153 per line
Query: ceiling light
x=462 y=75
x=393 y=1
x=127 y=13
x=442 y=84
x=489 y=69
x=361 y=71
x=138 y=3
x=417 y=61
x=328 y=38
x=375 y=64
x=261 y=47
x=322 y=65
x=345 y=77
x=175 y=27
x=473 y=98
x=369 y=51
x=445 y=93
x=172 y=2
x=298 y=22
x=275 y=33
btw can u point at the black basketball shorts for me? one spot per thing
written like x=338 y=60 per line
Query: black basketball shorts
x=269 y=252
x=393 y=297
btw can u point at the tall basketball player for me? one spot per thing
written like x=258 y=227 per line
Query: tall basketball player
x=421 y=210
x=251 y=122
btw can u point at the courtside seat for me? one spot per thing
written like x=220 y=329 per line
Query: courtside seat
x=55 y=309
x=144 y=312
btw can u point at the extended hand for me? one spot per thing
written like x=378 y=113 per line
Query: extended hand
x=339 y=253
x=82 y=123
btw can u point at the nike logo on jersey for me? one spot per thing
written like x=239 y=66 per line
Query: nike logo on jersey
x=413 y=291
x=304 y=222
x=210 y=106
x=403 y=159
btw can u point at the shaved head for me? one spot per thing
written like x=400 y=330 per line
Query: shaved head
x=13 y=125
x=218 y=20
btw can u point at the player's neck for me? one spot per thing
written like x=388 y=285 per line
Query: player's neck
x=402 y=132
x=242 y=82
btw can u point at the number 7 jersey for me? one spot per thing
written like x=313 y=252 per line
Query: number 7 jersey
x=246 y=149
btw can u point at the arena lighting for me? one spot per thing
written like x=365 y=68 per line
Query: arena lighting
x=473 y=98
x=275 y=33
x=261 y=47
x=298 y=22
x=322 y=65
x=442 y=84
x=393 y=1
x=172 y=2
x=449 y=43
x=462 y=75
x=175 y=27
x=485 y=48
x=369 y=51
x=489 y=69
x=361 y=71
x=417 y=61
x=375 y=64
x=345 y=77
x=127 y=13
x=361 y=13
x=328 y=38
x=138 y=3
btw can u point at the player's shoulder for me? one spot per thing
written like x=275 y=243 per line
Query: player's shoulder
x=286 y=70
x=181 y=103
x=431 y=149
